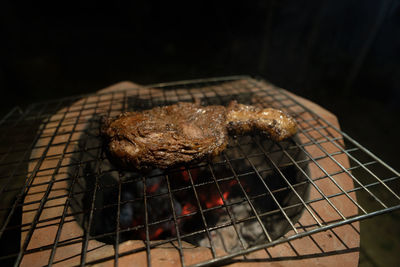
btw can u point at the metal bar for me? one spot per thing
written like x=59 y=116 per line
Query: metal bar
x=67 y=242
x=286 y=180
x=248 y=199
x=21 y=160
x=146 y=222
x=99 y=147
x=117 y=226
x=313 y=183
x=231 y=204
x=61 y=223
x=208 y=182
x=270 y=193
x=178 y=235
x=299 y=235
x=29 y=181
x=347 y=172
x=202 y=214
x=349 y=155
x=369 y=171
x=58 y=234
x=87 y=231
x=322 y=169
x=158 y=85
x=369 y=153
x=99 y=170
x=241 y=186
x=225 y=205
x=13 y=110
x=194 y=81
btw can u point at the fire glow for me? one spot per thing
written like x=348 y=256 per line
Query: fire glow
x=209 y=197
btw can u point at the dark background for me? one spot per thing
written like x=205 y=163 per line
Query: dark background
x=343 y=55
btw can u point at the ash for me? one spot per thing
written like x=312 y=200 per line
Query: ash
x=244 y=235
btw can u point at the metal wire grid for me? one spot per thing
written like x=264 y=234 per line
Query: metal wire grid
x=38 y=129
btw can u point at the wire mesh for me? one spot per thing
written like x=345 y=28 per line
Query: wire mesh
x=64 y=203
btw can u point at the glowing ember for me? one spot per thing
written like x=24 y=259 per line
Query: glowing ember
x=188 y=208
x=185 y=175
x=212 y=200
x=184 y=201
x=156 y=233
x=153 y=188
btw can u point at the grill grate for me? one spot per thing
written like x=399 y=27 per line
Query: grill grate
x=59 y=192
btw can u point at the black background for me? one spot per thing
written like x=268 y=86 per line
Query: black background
x=343 y=55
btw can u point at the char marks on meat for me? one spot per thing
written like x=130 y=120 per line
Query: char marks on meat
x=166 y=136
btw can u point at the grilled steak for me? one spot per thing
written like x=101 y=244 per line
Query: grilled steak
x=165 y=136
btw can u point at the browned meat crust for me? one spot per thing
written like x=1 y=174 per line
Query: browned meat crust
x=274 y=122
x=166 y=136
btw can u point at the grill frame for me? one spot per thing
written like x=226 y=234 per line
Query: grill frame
x=38 y=113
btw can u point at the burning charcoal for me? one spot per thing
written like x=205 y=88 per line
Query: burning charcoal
x=132 y=208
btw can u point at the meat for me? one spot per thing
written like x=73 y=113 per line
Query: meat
x=242 y=119
x=166 y=136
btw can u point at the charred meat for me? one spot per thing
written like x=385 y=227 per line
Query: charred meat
x=165 y=136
